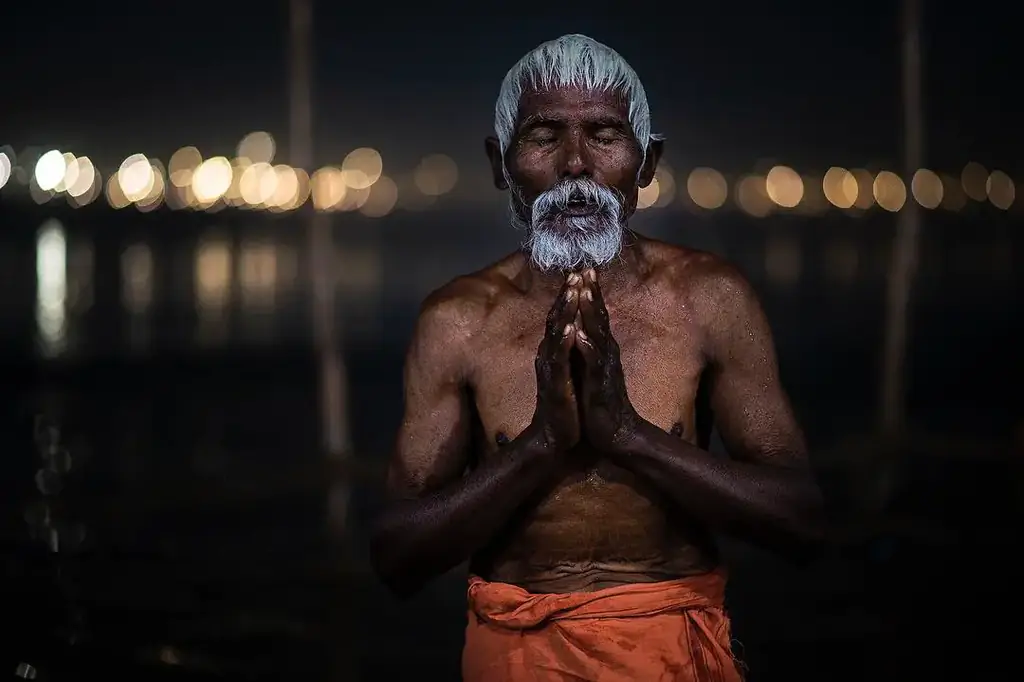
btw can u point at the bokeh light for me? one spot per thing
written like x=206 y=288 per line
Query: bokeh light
x=257 y=147
x=926 y=186
x=212 y=179
x=250 y=180
x=353 y=199
x=784 y=186
x=382 y=198
x=707 y=188
x=974 y=178
x=302 y=195
x=436 y=175
x=50 y=169
x=257 y=184
x=70 y=173
x=135 y=177
x=115 y=196
x=647 y=196
x=327 y=187
x=86 y=185
x=889 y=191
x=286 y=188
x=6 y=166
x=1000 y=190
x=752 y=196
x=154 y=198
x=362 y=167
x=865 y=188
x=666 y=186
x=182 y=165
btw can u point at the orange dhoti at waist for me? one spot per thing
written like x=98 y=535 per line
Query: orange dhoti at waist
x=675 y=631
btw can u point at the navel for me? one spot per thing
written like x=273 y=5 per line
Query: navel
x=677 y=430
x=500 y=438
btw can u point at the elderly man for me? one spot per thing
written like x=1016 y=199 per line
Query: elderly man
x=575 y=475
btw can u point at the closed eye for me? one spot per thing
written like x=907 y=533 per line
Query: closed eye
x=542 y=136
x=607 y=136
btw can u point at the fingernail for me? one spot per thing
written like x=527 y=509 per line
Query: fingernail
x=590 y=274
x=573 y=279
x=571 y=294
x=588 y=295
x=568 y=330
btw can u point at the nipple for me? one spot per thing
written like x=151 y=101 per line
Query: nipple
x=677 y=430
x=500 y=438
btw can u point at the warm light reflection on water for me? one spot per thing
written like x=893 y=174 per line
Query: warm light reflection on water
x=51 y=287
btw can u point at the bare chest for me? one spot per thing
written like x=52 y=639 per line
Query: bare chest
x=661 y=362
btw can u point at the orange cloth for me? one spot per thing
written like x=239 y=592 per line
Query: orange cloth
x=675 y=631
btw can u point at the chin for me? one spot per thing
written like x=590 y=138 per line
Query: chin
x=552 y=248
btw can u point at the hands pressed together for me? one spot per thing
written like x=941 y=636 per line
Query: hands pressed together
x=595 y=407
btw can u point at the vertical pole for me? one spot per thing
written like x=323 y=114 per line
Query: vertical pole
x=334 y=433
x=331 y=369
x=905 y=246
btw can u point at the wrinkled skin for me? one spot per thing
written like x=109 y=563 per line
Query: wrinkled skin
x=491 y=464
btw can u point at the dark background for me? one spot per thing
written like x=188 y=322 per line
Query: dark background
x=203 y=531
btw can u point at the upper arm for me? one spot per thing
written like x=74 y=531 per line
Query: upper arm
x=751 y=409
x=432 y=447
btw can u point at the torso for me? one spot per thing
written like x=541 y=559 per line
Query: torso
x=597 y=526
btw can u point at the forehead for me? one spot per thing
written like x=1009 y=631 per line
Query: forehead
x=570 y=103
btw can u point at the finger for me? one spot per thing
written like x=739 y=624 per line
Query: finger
x=585 y=344
x=552 y=362
x=593 y=313
x=561 y=349
x=565 y=308
x=596 y=296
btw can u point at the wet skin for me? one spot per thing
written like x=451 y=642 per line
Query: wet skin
x=581 y=464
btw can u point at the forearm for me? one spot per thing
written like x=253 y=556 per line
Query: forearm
x=775 y=506
x=418 y=539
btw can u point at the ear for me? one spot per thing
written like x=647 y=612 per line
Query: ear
x=493 y=149
x=654 y=149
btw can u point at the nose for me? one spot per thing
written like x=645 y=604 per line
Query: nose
x=576 y=160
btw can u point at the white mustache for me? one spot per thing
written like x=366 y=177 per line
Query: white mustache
x=583 y=190
x=561 y=241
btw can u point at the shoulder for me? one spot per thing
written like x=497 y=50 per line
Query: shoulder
x=453 y=314
x=714 y=296
x=700 y=280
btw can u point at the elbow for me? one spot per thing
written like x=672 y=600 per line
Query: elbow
x=390 y=566
x=809 y=533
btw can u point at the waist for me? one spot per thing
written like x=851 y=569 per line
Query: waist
x=513 y=607
x=594 y=575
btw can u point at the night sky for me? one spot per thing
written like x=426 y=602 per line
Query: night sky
x=731 y=84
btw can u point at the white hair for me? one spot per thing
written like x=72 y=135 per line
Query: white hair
x=572 y=61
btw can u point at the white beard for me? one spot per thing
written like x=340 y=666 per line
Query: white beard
x=560 y=241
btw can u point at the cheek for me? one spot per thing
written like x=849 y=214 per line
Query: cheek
x=533 y=173
x=621 y=169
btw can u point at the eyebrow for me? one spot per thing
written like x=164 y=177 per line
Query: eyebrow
x=609 y=122
x=541 y=120
x=537 y=120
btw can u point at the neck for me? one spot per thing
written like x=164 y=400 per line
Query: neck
x=625 y=268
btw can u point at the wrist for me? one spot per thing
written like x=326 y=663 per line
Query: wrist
x=630 y=440
x=535 y=441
